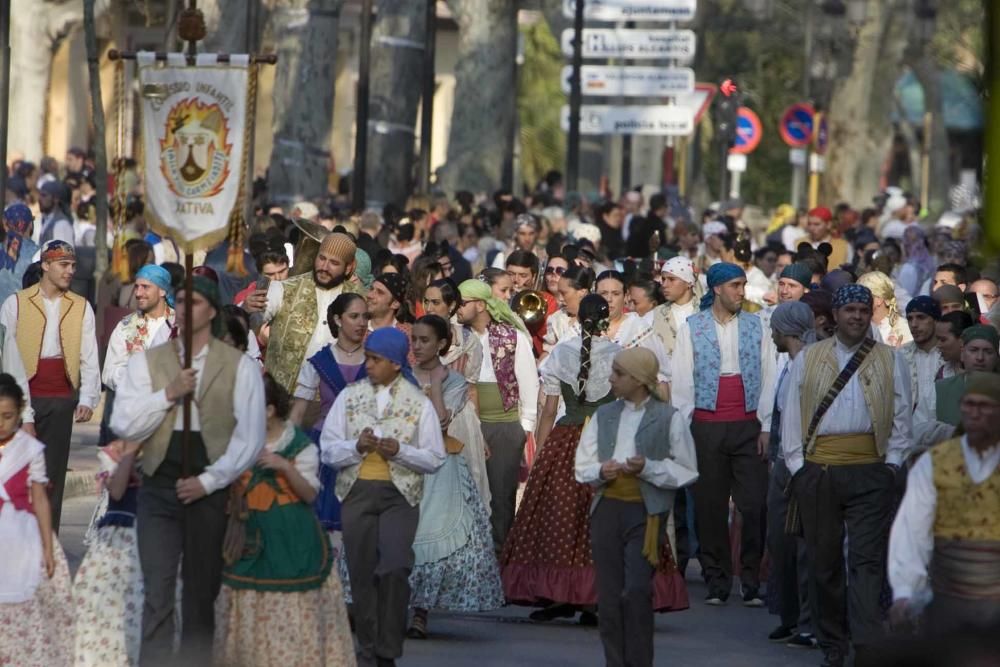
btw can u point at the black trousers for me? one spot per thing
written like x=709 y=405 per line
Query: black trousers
x=54 y=426
x=830 y=499
x=728 y=465
x=506 y=443
x=172 y=534
x=788 y=555
x=379 y=528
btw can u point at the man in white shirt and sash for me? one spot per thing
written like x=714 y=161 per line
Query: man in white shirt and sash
x=383 y=435
x=845 y=430
x=636 y=471
x=181 y=516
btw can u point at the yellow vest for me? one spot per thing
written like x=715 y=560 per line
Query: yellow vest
x=965 y=510
x=214 y=400
x=31 y=321
x=877 y=384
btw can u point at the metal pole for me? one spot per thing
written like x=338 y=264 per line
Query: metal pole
x=4 y=96
x=361 y=122
x=251 y=46
x=925 y=162
x=427 y=97
x=723 y=171
x=192 y=51
x=799 y=171
x=575 y=102
x=627 y=138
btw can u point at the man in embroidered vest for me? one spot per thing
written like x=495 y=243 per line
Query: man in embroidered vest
x=147 y=327
x=944 y=549
x=635 y=471
x=55 y=334
x=719 y=367
x=296 y=308
x=182 y=512
x=921 y=353
x=383 y=436
x=508 y=395
x=845 y=430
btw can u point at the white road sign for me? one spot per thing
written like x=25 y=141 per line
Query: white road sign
x=672 y=120
x=633 y=10
x=633 y=44
x=611 y=81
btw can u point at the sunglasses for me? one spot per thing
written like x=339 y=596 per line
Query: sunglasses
x=557 y=270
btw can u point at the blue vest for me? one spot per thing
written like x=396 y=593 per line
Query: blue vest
x=652 y=440
x=708 y=359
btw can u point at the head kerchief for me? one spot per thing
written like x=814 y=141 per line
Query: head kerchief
x=476 y=290
x=641 y=364
x=852 y=293
x=682 y=267
x=926 y=305
x=392 y=344
x=56 y=250
x=339 y=245
x=799 y=272
x=719 y=274
x=19 y=218
x=160 y=277
x=981 y=332
x=795 y=319
x=983 y=384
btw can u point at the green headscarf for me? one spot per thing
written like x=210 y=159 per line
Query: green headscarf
x=474 y=289
x=363 y=268
x=210 y=291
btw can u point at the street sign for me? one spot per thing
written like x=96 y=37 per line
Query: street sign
x=663 y=120
x=699 y=100
x=748 y=132
x=633 y=10
x=736 y=162
x=821 y=136
x=796 y=126
x=633 y=44
x=610 y=81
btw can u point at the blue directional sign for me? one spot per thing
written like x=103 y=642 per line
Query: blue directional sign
x=796 y=126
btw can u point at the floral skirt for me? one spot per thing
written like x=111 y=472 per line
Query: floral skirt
x=39 y=632
x=108 y=595
x=261 y=629
x=547 y=556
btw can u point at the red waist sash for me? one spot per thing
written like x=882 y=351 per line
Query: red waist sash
x=730 y=405
x=50 y=380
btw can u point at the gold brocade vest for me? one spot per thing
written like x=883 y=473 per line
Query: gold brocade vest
x=214 y=400
x=399 y=421
x=31 y=321
x=965 y=510
x=877 y=384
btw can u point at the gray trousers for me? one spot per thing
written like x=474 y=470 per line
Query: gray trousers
x=624 y=583
x=506 y=443
x=789 y=562
x=379 y=527
x=54 y=425
x=830 y=498
x=171 y=534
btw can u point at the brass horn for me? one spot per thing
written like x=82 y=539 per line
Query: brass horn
x=531 y=306
x=310 y=237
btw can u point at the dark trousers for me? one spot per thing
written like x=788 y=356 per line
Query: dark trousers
x=624 y=583
x=506 y=443
x=728 y=465
x=830 y=498
x=379 y=527
x=172 y=534
x=788 y=555
x=54 y=426
x=105 y=435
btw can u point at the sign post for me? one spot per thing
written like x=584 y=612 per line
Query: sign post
x=817 y=161
x=575 y=100
x=796 y=130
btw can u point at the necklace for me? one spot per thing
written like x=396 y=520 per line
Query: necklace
x=346 y=351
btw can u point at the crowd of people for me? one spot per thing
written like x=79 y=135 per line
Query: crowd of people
x=469 y=403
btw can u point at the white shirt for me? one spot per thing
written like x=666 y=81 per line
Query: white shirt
x=680 y=470
x=524 y=370
x=306 y=462
x=90 y=369
x=682 y=311
x=321 y=336
x=424 y=455
x=117 y=355
x=559 y=326
x=139 y=411
x=635 y=331
x=911 y=541
x=758 y=285
x=848 y=413
x=923 y=372
x=791 y=235
x=682 y=371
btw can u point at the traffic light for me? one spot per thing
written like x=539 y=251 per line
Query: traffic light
x=726 y=111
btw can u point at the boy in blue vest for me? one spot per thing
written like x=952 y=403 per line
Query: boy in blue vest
x=635 y=472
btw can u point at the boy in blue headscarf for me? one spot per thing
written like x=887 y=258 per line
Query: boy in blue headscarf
x=383 y=435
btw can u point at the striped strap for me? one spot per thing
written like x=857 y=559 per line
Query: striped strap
x=845 y=375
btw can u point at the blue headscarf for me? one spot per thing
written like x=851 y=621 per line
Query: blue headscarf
x=852 y=293
x=160 y=277
x=719 y=274
x=392 y=344
x=926 y=305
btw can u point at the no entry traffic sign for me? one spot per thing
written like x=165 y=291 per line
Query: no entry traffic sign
x=796 y=126
x=748 y=132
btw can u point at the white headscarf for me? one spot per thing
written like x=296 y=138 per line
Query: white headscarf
x=682 y=267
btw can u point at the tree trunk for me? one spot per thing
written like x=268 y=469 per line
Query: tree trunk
x=940 y=180
x=100 y=142
x=395 y=90
x=479 y=143
x=859 y=115
x=226 y=21
x=305 y=36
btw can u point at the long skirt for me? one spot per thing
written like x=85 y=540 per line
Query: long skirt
x=261 y=629
x=465 y=428
x=39 y=632
x=108 y=594
x=547 y=556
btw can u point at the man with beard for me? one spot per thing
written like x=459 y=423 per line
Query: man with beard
x=56 y=225
x=922 y=354
x=296 y=308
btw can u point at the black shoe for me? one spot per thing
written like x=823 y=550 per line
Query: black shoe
x=803 y=640
x=751 y=598
x=715 y=599
x=588 y=619
x=782 y=633
x=553 y=612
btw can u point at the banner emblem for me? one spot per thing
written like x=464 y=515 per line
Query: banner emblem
x=194 y=152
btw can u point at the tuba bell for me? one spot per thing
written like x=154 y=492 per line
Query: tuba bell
x=311 y=235
x=531 y=306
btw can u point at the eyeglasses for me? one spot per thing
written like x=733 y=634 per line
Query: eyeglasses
x=557 y=270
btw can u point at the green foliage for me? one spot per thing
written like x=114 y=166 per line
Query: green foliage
x=539 y=100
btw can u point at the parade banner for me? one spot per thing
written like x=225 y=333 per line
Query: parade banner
x=193 y=126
